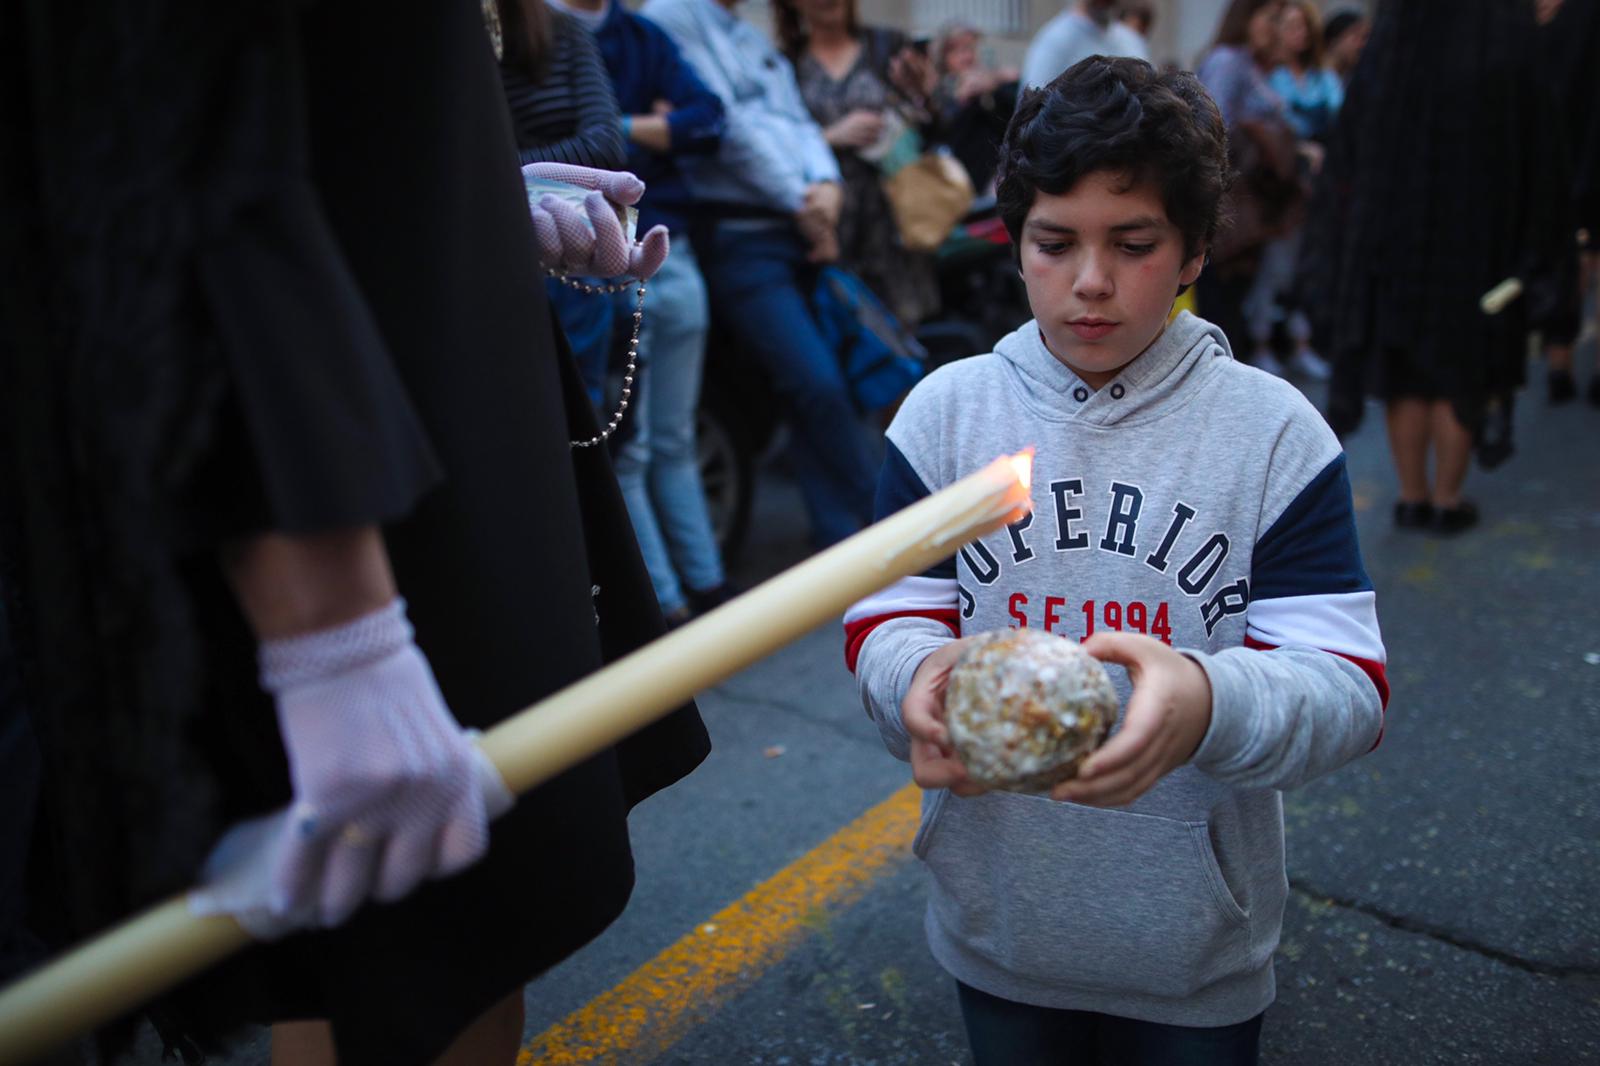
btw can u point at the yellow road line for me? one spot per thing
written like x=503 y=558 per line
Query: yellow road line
x=662 y=1000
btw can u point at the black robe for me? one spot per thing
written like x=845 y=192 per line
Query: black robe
x=1446 y=173
x=268 y=266
x=1571 y=47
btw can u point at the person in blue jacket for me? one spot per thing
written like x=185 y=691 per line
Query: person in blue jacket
x=770 y=201
x=1311 y=91
x=667 y=112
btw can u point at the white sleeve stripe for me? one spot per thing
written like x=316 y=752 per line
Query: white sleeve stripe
x=907 y=594
x=1343 y=622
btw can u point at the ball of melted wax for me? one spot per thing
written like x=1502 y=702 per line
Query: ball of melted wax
x=1026 y=708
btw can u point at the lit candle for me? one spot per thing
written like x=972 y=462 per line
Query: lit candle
x=632 y=692
x=165 y=945
x=1495 y=300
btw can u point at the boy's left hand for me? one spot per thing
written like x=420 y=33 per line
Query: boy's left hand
x=1166 y=719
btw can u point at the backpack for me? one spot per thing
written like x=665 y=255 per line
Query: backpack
x=880 y=358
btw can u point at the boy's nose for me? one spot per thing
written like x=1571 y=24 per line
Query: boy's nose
x=1094 y=279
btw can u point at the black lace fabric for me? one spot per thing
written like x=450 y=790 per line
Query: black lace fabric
x=159 y=236
x=114 y=393
x=249 y=251
x=1425 y=205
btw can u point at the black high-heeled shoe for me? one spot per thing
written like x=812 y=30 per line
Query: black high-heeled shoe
x=703 y=600
x=1561 y=387
x=1413 y=515
x=1458 y=519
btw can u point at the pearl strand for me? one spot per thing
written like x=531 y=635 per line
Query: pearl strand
x=633 y=348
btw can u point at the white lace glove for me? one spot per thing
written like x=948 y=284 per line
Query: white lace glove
x=597 y=247
x=389 y=790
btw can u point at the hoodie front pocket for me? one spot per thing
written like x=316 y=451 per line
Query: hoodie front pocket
x=932 y=804
x=1200 y=832
x=1085 y=897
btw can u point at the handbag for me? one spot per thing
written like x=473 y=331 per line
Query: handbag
x=928 y=197
x=880 y=358
x=1268 y=197
x=928 y=189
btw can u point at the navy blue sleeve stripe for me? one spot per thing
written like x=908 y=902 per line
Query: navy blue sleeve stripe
x=1312 y=547
x=898 y=488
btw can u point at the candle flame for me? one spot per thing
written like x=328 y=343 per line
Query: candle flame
x=1022 y=463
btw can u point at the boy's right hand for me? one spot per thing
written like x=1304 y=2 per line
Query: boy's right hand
x=933 y=762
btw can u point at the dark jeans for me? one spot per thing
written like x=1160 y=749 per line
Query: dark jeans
x=1003 y=1033
x=759 y=283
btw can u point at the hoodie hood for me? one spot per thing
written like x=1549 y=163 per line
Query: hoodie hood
x=1188 y=350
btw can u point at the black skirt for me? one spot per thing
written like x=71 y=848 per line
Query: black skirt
x=325 y=242
x=1446 y=173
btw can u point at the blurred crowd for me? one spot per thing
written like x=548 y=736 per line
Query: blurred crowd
x=856 y=146
x=1389 y=177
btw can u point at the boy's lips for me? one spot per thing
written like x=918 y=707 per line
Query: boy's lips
x=1091 y=329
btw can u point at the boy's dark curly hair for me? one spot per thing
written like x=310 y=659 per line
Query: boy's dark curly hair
x=1119 y=115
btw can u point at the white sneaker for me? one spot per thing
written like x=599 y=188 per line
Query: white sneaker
x=1265 y=360
x=1309 y=364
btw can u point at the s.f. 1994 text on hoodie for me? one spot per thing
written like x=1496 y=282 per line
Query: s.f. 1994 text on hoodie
x=1193 y=499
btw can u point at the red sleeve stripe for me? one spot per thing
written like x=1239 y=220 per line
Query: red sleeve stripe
x=856 y=632
x=1374 y=671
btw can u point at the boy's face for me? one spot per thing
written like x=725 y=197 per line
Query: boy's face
x=1102 y=264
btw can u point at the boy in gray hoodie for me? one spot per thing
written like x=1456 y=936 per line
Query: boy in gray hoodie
x=1192 y=523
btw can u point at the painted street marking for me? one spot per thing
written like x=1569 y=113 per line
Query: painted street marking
x=660 y=1002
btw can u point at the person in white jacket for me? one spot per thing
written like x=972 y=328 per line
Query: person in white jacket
x=769 y=203
x=1087 y=28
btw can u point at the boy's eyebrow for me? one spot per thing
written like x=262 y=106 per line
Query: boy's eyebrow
x=1142 y=222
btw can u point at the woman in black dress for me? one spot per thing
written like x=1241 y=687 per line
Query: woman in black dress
x=271 y=290
x=1569 y=40
x=1445 y=175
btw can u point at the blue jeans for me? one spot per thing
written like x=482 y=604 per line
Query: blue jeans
x=1004 y=1033
x=1274 y=277
x=759 y=284
x=590 y=320
x=656 y=462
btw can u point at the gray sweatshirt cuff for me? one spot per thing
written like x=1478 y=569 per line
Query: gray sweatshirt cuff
x=1284 y=717
x=1233 y=725
x=888 y=661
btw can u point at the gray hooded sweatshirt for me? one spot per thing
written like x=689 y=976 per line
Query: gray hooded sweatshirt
x=1204 y=503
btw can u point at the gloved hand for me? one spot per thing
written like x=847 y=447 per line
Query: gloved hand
x=598 y=247
x=388 y=788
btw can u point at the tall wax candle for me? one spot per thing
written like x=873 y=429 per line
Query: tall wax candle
x=165 y=945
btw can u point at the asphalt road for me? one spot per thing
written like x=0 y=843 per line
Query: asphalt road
x=1445 y=888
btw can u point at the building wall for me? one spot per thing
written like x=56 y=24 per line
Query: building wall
x=1183 y=28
